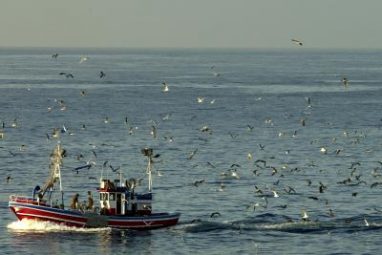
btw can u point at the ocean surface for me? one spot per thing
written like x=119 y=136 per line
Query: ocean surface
x=234 y=128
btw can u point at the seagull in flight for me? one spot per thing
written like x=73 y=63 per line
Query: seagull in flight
x=297 y=42
x=67 y=75
x=192 y=154
x=345 y=81
x=165 y=87
x=304 y=215
x=83 y=59
x=153 y=131
x=215 y=214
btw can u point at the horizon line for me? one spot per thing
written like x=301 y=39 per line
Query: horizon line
x=182 y=48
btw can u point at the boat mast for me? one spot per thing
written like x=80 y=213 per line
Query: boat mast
x=149 y=173
x=58 y=169
x=148 y=152
x=56 y=162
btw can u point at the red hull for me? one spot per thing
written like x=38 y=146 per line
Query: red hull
x=76 y=218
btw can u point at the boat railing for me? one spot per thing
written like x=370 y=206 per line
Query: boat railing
x=26 y=200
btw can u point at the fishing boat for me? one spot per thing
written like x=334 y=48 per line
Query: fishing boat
x=119 y=205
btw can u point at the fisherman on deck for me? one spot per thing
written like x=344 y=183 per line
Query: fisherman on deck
x=74 y=204
x=104 y=209
x=90 y=204
x=36 y=191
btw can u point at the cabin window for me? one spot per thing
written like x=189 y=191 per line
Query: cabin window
x=103 y=196
x=112 y=196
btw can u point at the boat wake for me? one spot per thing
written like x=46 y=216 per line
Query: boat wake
x=273 y=222
x=28 y=225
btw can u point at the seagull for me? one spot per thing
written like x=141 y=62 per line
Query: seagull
x=192 y=154
x=261 y=161
x=274 y=170
x=345 y=81
x=305 y=216
x=200 y=100
x=235 y=165
x=290 y=190
x=366 y=222
x=275 y=194
x=94 y=153
x=153 y=132
x=55 y=55
x=210 y=164
x=170 y=139
x=216 y=74
x=165 y=87
x=375 y=184
x=215 y=214
x=303 y=122
x=105 y=163
x=258 y=190
x=308 y=100
x=166 y=117
x=206 y=129
x=331 y=213
x=197 y=183
x=14 y=123
x=67 y=75
x=353 y=164
x=297 y=42
x=88 y=166
x=56 y=133
x=233 y=136
x=12 y=154
x=114 y=169
x=83 y=59
x=22 y=147
x=101 y=74
x=322 y=188
x=234 y=174
x=64 y=129
x=221 y=187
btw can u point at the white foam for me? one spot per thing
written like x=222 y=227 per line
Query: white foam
x=27 y=225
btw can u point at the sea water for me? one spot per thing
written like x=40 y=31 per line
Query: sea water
x=266 y=122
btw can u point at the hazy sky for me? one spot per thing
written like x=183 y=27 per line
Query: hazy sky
x=191 y=23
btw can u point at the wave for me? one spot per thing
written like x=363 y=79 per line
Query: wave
x=29 y=225
x=274 y=222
